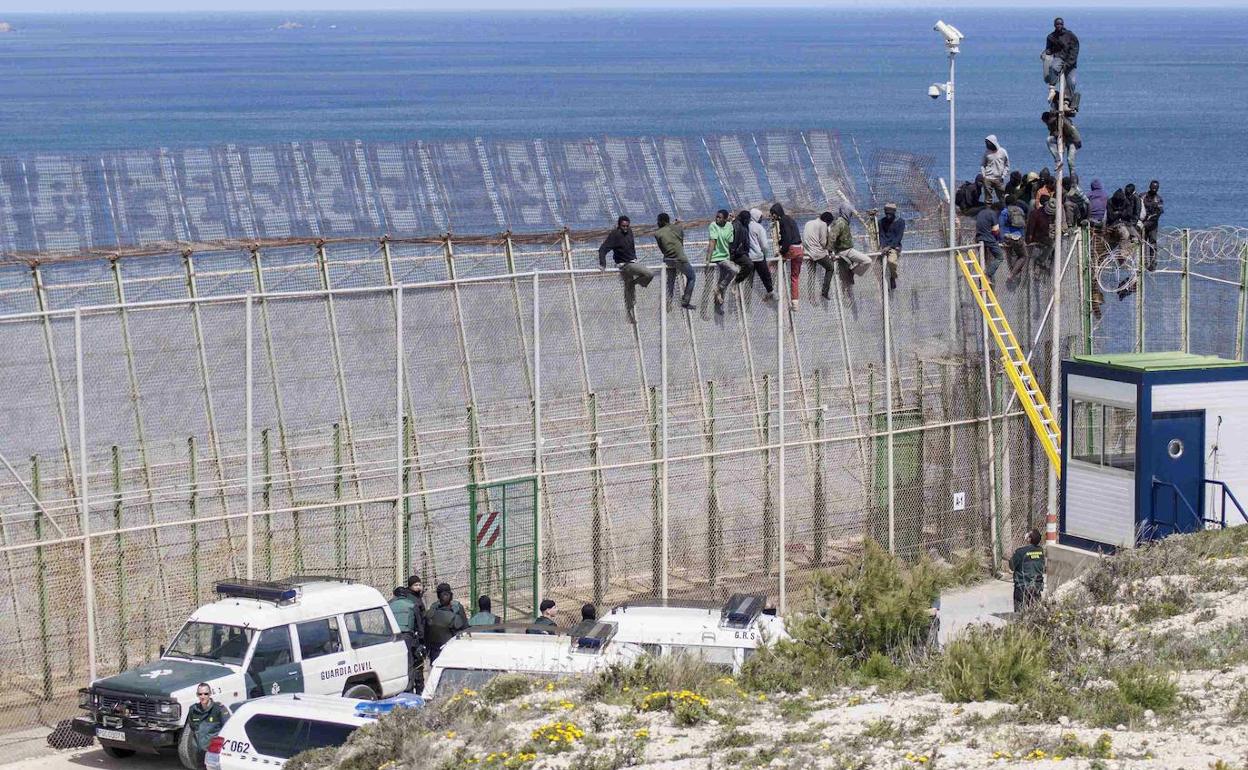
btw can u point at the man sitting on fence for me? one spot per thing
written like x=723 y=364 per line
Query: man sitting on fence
x=892 y=229
x=619 y=244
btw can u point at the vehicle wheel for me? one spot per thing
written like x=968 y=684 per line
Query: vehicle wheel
x=361 y=691
x=188 y=753
x=117 y=752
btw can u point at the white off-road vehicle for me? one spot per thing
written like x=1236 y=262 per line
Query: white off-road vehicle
x=300 y=635
x=723 y=635
x=479 y=654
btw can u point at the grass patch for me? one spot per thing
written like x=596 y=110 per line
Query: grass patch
x=506 y=687
x=670 y=673
x=1172 y=600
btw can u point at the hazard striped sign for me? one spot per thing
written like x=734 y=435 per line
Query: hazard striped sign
x=489 y=527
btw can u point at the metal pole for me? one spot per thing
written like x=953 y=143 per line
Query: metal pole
x=1242 y=315
x=248 y=408
x=85 y=526
x=888 y=407
x=537 y=425
x=663 y=418
x=992 y=434
x=400 y=448
x=953 y=186
x=780 y=310
x=1055 y=352
x=1185 y=294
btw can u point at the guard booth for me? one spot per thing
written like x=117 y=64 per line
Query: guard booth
x=1153 y=444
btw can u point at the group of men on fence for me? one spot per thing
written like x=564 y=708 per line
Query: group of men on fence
x=426 y=630
x=741 y=246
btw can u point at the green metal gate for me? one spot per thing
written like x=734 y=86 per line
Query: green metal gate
x=502 y=538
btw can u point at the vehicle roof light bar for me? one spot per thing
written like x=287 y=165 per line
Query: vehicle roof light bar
x=277 y=592
x=741 y=610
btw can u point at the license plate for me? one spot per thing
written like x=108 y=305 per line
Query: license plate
x=110 y=735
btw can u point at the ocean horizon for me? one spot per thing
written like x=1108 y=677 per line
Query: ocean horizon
x=1163 y=90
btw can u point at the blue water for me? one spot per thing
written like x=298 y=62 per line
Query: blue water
x=1165 y=92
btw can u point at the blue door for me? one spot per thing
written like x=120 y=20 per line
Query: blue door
x=1178 y=459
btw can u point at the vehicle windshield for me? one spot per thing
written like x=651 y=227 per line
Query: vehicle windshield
x=212 y=641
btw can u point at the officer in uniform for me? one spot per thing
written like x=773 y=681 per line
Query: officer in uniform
x=409 y=613
x=1027 y=563
x=484 y=616
x=443 y=620
x=545 y=619
x=204 y=719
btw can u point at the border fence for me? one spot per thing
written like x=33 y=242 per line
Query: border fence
x=268 y=403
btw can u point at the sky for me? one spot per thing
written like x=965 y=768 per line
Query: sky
x=311 y=6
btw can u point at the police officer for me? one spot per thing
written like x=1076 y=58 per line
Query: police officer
x=442 y=621
x=484 y=617
x=204 y=719
x=1027 y=563
x=546 y=619
x=409 y=613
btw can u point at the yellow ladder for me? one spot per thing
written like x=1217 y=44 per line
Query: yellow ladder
x=1012 y=358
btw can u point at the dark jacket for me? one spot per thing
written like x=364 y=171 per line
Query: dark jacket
x=621 y=246
x=443 y=622
x=985 y=221
x=403 y=605
x=891 y=232
x=739 y=249
x=484 y=619
x=205 y=723
x=1070 y=134
x=542 y=620
x=1039 y=225
x=671 y=241
x=1121 y=210
x=790 y=235
x=1064 y=45
x=1098 y=202
x=1027 y=564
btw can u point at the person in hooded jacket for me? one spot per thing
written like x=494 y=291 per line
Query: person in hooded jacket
x=892 y=230
x=995 y=169
x=1098 y=203
x=1120 y=219
x=789 y=246
x=970 y=196
x=817 y=242
x=760 y=252
x=740 y=247
x=1154 y=206
x=443 y=620
x=409 y=612
x=1016 y=186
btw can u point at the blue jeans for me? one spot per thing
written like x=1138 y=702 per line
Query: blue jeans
x=1053 y=67
x=993 y=254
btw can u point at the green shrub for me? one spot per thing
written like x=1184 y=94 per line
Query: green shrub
x=506 y=687
x=1239 y=708
x=1172 y=600
x=1147 y=688
x=651 y=673
x=991 y=663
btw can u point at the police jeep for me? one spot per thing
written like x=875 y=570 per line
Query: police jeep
x=315 y=635
x=480 y=653
x=722 y=635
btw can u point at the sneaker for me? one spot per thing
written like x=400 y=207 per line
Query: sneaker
x=632 y=316
x=1052 y=93
x=793 y=304
x=769 y=297
x=688 y=306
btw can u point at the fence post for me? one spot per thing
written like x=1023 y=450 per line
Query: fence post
x=1185 y=294
x=1140 y=338
x=888 y=406
x=656 y=496
x=115 y=464
x=595 y=504
x=340 y=529
x=88 y=571
x=41 y=304
x=1242 y=315
x=539 y=568
x=193 y=504
x=769 y=512
x=41 y=582
x=1085 y=285
x=266 y=500
x=400 y=448
x=248 y=408
x=712 y=502
x=663 y=417
x=781 y=309
x=819 y=495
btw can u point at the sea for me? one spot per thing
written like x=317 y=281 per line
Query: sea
x=1165 y=91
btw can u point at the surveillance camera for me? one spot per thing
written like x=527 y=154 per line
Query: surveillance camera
x=951 y=34
x=933 y=91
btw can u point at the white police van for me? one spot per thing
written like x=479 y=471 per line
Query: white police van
x=723 y=635
x=266 y=732
x=479 y=654
x=300 y=635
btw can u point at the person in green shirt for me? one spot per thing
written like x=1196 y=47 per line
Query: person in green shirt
x=718 y=251
x=670 y=238
x=1027 y=564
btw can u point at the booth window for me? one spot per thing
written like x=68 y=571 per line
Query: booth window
x=1103 y=434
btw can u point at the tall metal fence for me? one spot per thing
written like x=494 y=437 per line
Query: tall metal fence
x=274 y=419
